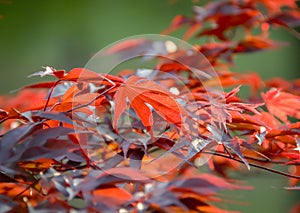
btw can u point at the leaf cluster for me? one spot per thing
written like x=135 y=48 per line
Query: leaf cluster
x=134 y=142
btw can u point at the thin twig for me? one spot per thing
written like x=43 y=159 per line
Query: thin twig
x=252 y=164
x=264 y=160
x=27 y=188
x=50 y=94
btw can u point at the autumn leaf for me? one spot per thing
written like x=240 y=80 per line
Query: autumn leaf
x=245 y=17
x=40 y=85
x=275 y=6
x=279 y=83
x=36 y=166
x=282 y=104
x=82 y=74
x=286 y=19
x=60 y=149
x=217 y=50
x=112 y=195
x=173 y=66
x=139 y=93
x=256 y=43
x=3 y=113
x=177 y=23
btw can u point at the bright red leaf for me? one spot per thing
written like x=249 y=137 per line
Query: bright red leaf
x=282 y=104
x=139 y=93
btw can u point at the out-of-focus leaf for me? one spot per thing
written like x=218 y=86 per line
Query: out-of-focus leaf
x=113 y=196
x=53 y=149
x=50 y=205
x=276 y=6
x=129 y=174
x=59 y=116
x=286 y=19
x=6 y=203
x=167 y=67
x=245 y=17
x=256 y=43
x=203 y=184
x=177 y=23
x=36 y=166
x=192 y=30
x=45 y=85
x=216 y=50
x=4 y=178
x=11 y=138
x=41 y=136
x=3 y=114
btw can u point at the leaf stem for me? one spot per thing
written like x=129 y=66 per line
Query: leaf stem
x=50 y=94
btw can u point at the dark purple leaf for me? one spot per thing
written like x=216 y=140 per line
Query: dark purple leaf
x=58 y=116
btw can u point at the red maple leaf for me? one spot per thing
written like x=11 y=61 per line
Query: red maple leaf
x=139 y=93
x=282 y=104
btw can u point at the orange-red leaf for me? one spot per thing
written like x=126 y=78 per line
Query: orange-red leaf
x=40 y=85
x=137 y=93
x=282 y=104
x=112 y=196
x=275 y=6
x=82 y=74
x=176 y=23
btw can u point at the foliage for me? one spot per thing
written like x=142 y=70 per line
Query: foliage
x=103 y=143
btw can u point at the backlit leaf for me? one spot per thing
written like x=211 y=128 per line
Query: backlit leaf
x=282 y=104
x=138 y=92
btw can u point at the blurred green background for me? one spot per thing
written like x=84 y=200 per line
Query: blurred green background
x=66 y=33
